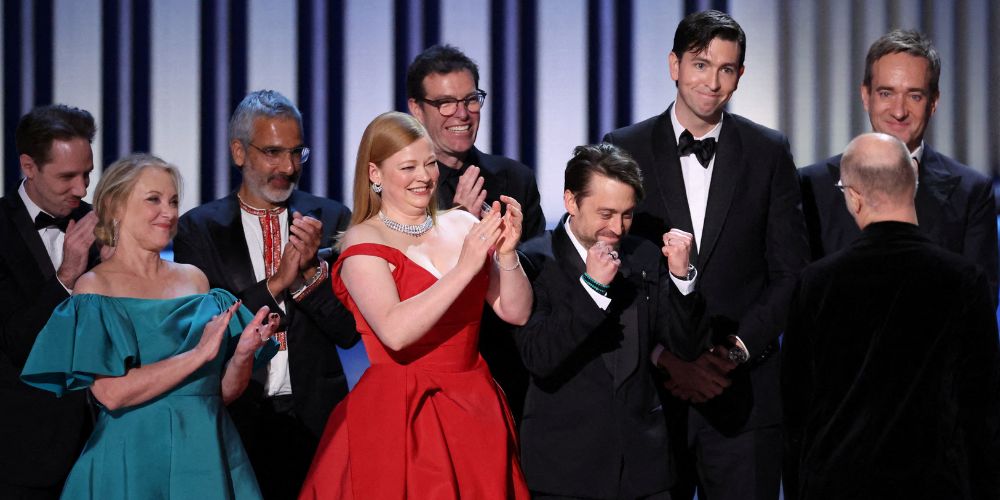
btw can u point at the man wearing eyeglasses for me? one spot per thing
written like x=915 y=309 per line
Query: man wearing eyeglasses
x=442 y=85
x=261 y=243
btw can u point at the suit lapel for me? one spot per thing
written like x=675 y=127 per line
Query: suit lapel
x=726 y=176
x=936 y=186
x=666 y=173
x=571 y=264
x=625 y=291
x=26 y=229
x=232 y=244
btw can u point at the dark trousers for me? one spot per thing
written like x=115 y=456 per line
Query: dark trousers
x=743 y=467
x=280 y=449
x=15 y=492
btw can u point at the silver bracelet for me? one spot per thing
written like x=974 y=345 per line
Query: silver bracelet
x=496 y=260
x=312 y=281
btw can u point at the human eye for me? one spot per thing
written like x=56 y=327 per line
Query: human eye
x=273 y=152
x=699 y=65
x=153 y=198
x=884 y=94
x=174 y=201
x=917 y=97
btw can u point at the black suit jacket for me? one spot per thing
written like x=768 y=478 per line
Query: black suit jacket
x=592 y=410
x=891 y=374
x=211 y=237
x=955 y=207
x=42 y=435
x=501 y=176
x=753 y=242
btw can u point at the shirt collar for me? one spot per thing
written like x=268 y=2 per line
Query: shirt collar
x=679 y=129
x=33 y=209
x=576 y=243
x=918 y=153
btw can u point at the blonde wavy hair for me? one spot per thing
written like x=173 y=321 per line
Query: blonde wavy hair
x=115 y=186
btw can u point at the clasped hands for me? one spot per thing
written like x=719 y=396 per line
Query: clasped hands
x=298 y=257
x=501 y=232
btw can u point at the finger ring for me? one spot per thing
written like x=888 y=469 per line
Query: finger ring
x=613 y=254
x=482 y=237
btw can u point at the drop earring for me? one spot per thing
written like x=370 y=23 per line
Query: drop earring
x=114 y=232
x=376 y=187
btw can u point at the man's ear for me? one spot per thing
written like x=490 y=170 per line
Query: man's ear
x=865 y=96
x=569 y=200
x=674 y=63
x=239 y=153
x=28 y=167
x=854 y=201
x=416 y=110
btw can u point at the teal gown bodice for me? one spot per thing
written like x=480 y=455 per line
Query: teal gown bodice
x=179 y=445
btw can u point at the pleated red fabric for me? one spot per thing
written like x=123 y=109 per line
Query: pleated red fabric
x=428 y=421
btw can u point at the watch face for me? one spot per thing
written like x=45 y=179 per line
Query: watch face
x=738 y=355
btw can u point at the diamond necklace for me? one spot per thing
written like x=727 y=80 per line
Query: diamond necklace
x=410 y=229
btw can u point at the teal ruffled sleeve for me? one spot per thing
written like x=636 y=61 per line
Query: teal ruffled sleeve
x=86 y=336
x=92 y=335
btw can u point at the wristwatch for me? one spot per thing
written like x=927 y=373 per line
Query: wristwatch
x=738 y=354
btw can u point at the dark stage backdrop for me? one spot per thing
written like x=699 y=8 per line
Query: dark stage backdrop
x=164 y=75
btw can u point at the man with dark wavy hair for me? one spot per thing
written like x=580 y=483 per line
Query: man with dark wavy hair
x=47 y=232
x=442 y=84
x=732 y=183
x=603 y=298
x=955 y=204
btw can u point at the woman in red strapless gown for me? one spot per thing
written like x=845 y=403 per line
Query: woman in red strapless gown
x=426 y=420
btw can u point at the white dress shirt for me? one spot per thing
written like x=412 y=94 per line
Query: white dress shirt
x=279 y=381
x=697 y=179
x=52 y=237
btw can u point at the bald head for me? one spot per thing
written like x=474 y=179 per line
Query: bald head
x=878 y=169
x=879 y=166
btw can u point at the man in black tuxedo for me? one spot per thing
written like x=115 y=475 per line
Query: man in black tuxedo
x=593 y=423
x=731 y=183
x=48 y=235
x=442 y=85
x=261 y=243
x=890 y=365
x=955 y=204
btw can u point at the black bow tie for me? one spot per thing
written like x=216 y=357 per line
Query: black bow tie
x=703 y=150
x=44 y=220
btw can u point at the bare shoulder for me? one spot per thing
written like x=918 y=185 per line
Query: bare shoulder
x=190 y=275
x=364 y=232
x=94 y=281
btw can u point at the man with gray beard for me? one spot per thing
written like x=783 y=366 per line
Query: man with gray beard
x=261 y=243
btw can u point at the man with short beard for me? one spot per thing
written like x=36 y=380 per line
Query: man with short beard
x=261 y=243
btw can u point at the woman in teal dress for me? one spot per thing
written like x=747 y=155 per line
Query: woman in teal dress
x=160 y=352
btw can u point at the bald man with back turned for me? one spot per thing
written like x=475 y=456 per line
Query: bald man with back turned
x=890 y=372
